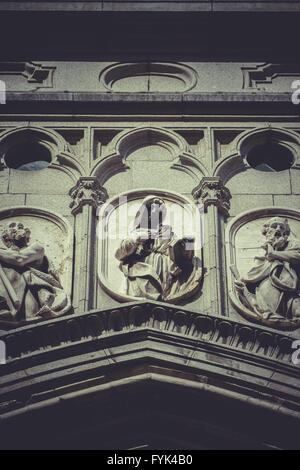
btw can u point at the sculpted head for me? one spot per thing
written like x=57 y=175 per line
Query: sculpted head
x=151 y=213
x=16 y=234
x=276 y=231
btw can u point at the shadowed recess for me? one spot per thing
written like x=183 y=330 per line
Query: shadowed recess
x=28 y=157
x=270 y=157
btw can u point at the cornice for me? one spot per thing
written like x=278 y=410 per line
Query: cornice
x=221 y=331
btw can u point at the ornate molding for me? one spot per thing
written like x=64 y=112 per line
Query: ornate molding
x=216 y=330
x=87 y=191
x=37 y=74
x=211 y=191
x=256 y=77
x=62 y=157
x=127 y=141
x=182 y=78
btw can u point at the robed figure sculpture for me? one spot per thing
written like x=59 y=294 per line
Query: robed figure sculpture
x=271 y=289
x=156 y=263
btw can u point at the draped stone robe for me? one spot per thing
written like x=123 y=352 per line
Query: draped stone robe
x=151 y=271
x=272 y=287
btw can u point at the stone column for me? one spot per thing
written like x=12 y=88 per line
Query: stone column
x=215 y=198
x=86 y=196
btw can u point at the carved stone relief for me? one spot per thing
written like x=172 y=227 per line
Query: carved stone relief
x=150 y=256
x=35 y=267
x=156 y=151
x=265 y=268
x=270 y=77
x=148 y=77
x=87 y=191
x=32 y=76
x=211 y=191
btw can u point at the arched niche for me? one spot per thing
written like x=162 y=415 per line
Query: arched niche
x=261 y=139
x=148 y=155
x=245 y=251
x=52 y=231
x=47 y=146
x=115 y=222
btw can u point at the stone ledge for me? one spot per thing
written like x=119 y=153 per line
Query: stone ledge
x=154 y=6
x=218 y=330
x=78 y=354
x=103 y=98
x=102 y=362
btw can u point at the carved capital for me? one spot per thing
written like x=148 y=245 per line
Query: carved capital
x=211 y=191
x=87 y=191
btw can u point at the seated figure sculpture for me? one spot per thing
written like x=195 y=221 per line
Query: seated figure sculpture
x=271 y=289
x=157 y=265
x=29 y=286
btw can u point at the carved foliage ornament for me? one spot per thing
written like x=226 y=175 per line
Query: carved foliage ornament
x=87 y=191
x=211 y=191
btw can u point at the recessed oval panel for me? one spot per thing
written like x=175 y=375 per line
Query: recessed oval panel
x=146 y=77
x=166 y=265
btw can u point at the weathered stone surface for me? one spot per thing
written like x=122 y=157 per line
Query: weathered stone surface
x=295 y=180
x=287 y=201
x=47 y=181
x=258 y=182
x=156 y=6
x=4 y=178
x=244 y=202
x=10 y=200
x=170 y=111
x=58 y=203
x=219 y=97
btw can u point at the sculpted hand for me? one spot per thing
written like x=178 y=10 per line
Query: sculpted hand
x=239 y=284
x=271 y=256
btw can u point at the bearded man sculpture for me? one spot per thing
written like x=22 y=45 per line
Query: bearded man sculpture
x=157 y=265
x=29 y=286
x=271 y=289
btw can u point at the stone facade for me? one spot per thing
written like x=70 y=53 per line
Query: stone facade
x=215 y=144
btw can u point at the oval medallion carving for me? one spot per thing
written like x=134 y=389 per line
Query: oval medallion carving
x=150 y=247
x=264 y=254
x=148 y=77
